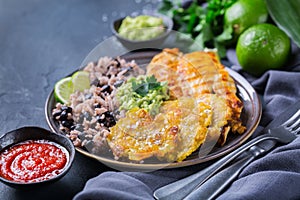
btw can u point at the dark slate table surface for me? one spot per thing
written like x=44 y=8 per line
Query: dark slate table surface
x=40 y=42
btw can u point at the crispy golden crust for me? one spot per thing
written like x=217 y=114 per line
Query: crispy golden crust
x=172 y=135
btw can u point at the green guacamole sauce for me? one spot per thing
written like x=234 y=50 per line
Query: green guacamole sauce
x=142 y=92
x=141 y=28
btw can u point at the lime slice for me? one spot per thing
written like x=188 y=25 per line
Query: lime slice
x=81 y=81
x=66 y=86
x=63 y=89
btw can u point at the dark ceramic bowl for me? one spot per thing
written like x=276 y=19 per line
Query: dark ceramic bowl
x=36 y=133
x=143 y=44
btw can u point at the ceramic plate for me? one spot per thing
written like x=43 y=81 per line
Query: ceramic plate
x=250 y=116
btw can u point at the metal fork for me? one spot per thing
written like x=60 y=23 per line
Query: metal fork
x=216 y=184
x=284 y=133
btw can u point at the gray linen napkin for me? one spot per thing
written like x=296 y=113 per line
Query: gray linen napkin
x=275 y=176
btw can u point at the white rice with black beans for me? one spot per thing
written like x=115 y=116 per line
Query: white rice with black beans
x=88 y=116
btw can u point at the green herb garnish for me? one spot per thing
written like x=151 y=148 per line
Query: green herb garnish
x=142 y=88
x=204 y=24
x=142 y=92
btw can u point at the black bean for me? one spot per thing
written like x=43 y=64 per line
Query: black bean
x=118 y=83
x=64 y=130
x=63 y=115
x=106 y=88
x=56 y=114
x=67 y=123
x=77 y=127
x=64 y=108
x=97 y=105
x=107 y=113
x=118 y=63
x=67 y=109
x=110 y=121
x=73 y=127
x=107 y=119
x=70 y=110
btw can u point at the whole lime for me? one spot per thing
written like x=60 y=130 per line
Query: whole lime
x=262 y=47
x=245 y=13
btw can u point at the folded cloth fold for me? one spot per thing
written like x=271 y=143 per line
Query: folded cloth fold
x=275 y=176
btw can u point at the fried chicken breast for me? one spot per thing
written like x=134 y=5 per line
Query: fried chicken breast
x=196 y=74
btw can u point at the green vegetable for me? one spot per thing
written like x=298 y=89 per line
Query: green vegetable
x=204 y=24
x=145 y=86
x=143 y=92
x=286 y=15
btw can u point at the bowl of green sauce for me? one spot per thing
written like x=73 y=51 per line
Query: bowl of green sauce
x=143 y=31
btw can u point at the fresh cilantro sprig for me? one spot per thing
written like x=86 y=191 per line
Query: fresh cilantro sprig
x=204 y=23
x=142 y=92
x=143 y=88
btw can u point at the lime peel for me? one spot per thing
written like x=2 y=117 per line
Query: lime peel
x=79 y=81
x=63 y=89
x=262 y=47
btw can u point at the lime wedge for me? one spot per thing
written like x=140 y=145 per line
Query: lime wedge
x=63 y=89
x=81 y=81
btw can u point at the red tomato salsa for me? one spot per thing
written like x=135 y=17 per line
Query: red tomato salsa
x=33 y=161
